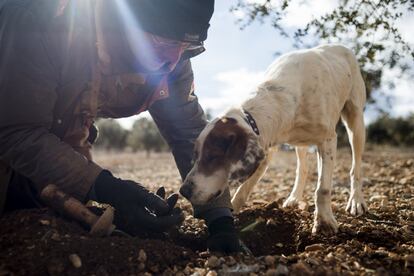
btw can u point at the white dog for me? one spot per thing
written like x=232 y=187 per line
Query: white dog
x=300 y=102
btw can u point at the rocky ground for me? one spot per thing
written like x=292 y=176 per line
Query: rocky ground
x=36 y=242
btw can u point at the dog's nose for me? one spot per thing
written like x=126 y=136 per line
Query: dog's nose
x=187 y=189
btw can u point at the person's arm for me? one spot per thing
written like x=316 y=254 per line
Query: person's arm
x=28 y=83
x=180 y=120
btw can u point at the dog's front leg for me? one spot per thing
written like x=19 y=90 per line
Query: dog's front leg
x=324 y=221
x=243 y=191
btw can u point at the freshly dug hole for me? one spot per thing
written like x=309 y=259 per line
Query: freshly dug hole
x=268 y=230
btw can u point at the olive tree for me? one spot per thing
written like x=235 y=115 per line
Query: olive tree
x=145 y=136
x=111 y=134
x=368 y=27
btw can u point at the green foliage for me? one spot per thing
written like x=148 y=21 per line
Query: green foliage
x=145 y=136
x=392 y=131
x=367 y=27
x=111 y=134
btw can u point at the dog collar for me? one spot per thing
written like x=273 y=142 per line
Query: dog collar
x=249 y=119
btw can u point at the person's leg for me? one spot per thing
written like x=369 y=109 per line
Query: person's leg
x=5 y=174
x=21 y=194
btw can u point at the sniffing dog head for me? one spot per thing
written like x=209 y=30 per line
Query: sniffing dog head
x=225 y=151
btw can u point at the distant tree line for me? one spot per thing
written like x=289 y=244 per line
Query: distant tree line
x=385 y=130
x=144 y=136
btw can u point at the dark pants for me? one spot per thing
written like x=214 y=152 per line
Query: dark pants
x=20 y=194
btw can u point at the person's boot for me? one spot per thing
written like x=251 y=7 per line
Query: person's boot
x=223 y=236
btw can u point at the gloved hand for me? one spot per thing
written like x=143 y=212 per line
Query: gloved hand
x=223 y=236
x=137 y=209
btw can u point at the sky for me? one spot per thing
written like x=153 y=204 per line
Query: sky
x=235 y=59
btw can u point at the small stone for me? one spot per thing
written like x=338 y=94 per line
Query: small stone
x=204 y=254
x=279 y=244
x=283 y=259
x=409 y=261
x=55 y=237
x=378 y=198
x=155 y=269
x=302 y=205
x=230 y=261
x=141 y=266
x=142 y=256
x=212 y=262
x=314 y=247
x=271 y=272
x=312 y=261
x=357 y=265
x=282 y=270
x=354 y=222
x=44 y=222
x=270 y=222
x=301 y=268
x=393 y=256
x=187 y=270
x=407 y=229
x=329 y=257
x=75 y=260
x=211 y=273
x=269 y=260
x=199 y=271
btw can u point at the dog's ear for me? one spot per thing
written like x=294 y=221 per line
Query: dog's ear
x=230 y=138
x=249 y=162
x=227 y=140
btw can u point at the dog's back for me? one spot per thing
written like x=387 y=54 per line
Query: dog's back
x=314 y=86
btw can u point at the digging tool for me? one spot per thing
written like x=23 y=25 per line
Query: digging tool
x=99 y=225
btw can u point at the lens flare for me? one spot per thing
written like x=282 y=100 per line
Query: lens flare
x=137 y=38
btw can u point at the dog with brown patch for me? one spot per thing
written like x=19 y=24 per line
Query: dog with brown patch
x=300 y=101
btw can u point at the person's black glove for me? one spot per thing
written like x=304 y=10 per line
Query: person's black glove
x=223 y=236
x=137 y=209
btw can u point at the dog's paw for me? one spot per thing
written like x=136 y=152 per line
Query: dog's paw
x=237 y=205
x=325 y=225
x=356 y=205
x=291 y=201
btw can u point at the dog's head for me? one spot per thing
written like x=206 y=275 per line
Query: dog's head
x=227 y=150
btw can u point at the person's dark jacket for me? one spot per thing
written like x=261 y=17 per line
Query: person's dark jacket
x=47 y=105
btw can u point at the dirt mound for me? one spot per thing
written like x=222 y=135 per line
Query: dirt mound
x=269 y=230
x=33 y=242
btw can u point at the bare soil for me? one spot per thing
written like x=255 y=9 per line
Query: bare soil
x=38 y=242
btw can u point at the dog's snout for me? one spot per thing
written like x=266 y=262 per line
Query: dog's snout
x=187 y=189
